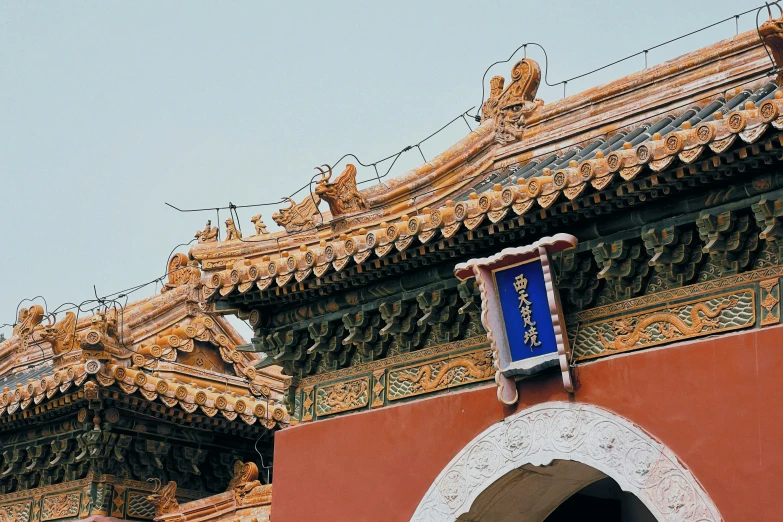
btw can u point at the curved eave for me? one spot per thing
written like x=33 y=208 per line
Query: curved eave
x=188 y=397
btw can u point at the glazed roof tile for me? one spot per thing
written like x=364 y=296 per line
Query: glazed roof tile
x=140 y=350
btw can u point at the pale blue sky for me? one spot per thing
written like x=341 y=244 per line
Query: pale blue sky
x=108 y=109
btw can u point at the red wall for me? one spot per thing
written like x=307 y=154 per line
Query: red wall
x=714 y=402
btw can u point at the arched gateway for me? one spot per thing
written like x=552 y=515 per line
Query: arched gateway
x=557 y=435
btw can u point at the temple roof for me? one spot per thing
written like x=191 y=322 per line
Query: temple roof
x=642 y=134
x=164 y=348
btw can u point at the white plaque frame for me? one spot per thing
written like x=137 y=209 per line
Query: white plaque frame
x=483 y=270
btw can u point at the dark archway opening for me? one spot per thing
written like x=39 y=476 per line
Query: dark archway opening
x=563 y=490
x=602 y=500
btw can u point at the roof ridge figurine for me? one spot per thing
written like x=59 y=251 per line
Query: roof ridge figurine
x=342 y=196
x=231 y=230
x=208 y=235
x=298 y=216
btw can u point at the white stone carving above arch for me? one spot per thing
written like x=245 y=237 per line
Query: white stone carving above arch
x=577 y=432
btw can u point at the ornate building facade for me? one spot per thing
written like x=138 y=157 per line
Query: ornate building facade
x=668 y=180
x=134 y=409
x=377 y=360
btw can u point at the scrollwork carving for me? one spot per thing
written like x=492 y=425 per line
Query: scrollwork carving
x=569 y=431
x=517 y=102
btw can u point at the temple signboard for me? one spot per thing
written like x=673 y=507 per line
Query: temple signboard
x=520 y=309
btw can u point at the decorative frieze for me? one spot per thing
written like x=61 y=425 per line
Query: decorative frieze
x=344 y=396
x=441 y=374
x=308 y=401
x=139 y=506
x=17 y=512
x=770 y=301
x=63 y=505
x=665 y=324
x=379 y=388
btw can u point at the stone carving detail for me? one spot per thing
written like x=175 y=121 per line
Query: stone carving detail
x=208 y=235
x=60 y=506
x=344 y=396
x=164 y=499
x=439 y=375
x=298 y=216
x=729 y=240
x=510 y=107
x=342 y=196
x=569 y=431
x=674 y=254
x=770 y=302
x=623 y=266
x=666 y=324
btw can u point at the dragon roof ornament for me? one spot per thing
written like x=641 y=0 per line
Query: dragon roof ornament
x=342 y=195
x=510 y=107
x=298 y=216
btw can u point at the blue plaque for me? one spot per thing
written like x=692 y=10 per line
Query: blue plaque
x=521 y=311
x=525 y=306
